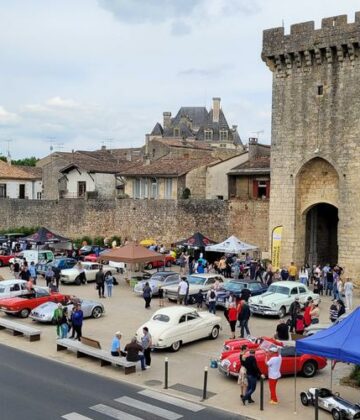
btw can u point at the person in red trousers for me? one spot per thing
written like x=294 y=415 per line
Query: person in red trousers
x=274 y=366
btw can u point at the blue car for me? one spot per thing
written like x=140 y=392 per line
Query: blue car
x=236 y=286
x=61 y=263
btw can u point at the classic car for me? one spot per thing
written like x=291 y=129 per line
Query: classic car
x=5 y=259
x=306 y=365
x=161 y=278
x=314 y=328
x=167 y=261
x=62 y=263
x=236 y=287
x=233 y=345
x=120 y=266
x=278 y=298
x=197 y=282
x=12 y=288
x=339 y=408
x=45 y=311
x=90 y=249
x=71 y=275
x=176 y=325
x=23 y=305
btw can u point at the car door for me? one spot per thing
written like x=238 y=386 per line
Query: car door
x=255 y=289
x=303 y=294
x=14 y=290
x=195 y=327
x=180 y=331
x=91 y=271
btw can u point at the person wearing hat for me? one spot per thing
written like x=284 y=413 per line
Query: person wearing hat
x=115 y=345
x=293 y=311
x=273 y=362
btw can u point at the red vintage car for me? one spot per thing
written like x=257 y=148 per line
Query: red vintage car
x=168 y=261
x=306 y=364
x=23 y=305
x=234 y=345
x=5 y=259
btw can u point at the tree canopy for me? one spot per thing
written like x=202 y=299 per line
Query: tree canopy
x=30 y=161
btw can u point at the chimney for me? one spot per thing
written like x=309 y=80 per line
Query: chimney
x=147 y=139
x=8 y=159
x=216 y=109
x=234 y=127
x=253 y=148
x=166 y=119
x=103 y=147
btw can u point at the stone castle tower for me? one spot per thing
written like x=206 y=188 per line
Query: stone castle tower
x=315 y=152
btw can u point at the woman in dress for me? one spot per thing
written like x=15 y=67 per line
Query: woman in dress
x=242 y=378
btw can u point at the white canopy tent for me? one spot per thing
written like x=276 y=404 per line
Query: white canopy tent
x=231 y=245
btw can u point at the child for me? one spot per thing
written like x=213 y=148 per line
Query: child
x=199 y=299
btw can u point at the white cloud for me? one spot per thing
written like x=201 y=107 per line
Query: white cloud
x=8 y=118
x=56 y=101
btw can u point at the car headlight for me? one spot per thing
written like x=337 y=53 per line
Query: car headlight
x=273 y=305
x=234 y=365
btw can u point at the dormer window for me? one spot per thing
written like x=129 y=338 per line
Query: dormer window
x=223 y=135
x=208 y=134
x=176 y=132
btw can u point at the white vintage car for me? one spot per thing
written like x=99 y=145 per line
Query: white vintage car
x=278 y=298
x=197 y=282
x=71 y=275
x=176 y=325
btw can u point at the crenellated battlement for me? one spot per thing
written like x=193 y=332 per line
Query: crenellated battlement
x=336 y=41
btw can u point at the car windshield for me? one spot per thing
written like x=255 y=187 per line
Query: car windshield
x=234 y=286
x=56 y=263
x=278 y=289
x=196 y=280
x=161 y=318
x=157 y=278
x=2 y=289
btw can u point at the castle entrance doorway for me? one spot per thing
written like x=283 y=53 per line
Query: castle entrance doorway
x=321 y=242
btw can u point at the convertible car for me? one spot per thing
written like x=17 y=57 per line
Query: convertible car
x=176 y=325
x=234 y=345
x=23 y=305
x=339 y=408
x=305 y=364
x=45 y=311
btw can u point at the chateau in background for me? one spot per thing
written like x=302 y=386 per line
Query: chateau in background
x=315 y=149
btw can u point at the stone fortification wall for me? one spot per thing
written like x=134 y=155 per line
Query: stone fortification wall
x=164 y=220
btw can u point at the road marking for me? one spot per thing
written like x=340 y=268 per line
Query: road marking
x=113 y=412
x=149 y=408
x=75 y=416
x=172 y=400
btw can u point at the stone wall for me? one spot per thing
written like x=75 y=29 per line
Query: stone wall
x=164 y=220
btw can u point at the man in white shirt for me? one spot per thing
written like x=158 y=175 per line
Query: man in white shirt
x=274 y=365
x=182 y=290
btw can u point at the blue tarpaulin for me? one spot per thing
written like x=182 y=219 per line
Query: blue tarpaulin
x=339 y=342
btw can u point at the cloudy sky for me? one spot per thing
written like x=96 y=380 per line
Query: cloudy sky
x=76 y=74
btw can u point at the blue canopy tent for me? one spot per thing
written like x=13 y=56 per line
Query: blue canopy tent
x=339 y=342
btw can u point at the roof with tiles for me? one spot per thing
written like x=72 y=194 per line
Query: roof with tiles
x=17 y=172
x=258 y=165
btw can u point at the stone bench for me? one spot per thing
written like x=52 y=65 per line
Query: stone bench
x=105 y=357
x=20 y=329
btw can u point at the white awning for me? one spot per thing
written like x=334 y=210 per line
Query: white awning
x=231 y=245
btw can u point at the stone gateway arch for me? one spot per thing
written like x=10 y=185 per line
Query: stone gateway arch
x=315 y=152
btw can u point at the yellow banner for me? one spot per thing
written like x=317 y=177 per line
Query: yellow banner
x=276 y=247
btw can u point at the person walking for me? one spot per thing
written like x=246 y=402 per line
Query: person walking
x=147 y=295
x=232 y=318
x=100 y=282
x=146 y=343
x=82 y=275
x=133 y=353
x=252 y=375
x=57 y=274
x=57 y=317
x=242 y=378
x=329 y=282
x=77 y=322
x=348 y=291
x=182 y=263
x=199 y=299
x=274 y=366
x=244 y=317
x=182 y=290
x=304 y=275
x=211 y=297
x=293 y=311
x=109 y=281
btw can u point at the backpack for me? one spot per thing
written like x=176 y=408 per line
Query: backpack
x=212 y=295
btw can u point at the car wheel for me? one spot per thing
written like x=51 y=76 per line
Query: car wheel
x=168 y=264
x=24 y=313
x=309 y=369
x=149 y=266
x=282 y=312
x=304 y=399
x=214 y=333
x=97 y=312
x=77 y=281
x=336 y=414
x=176 y=346
x=191 y=300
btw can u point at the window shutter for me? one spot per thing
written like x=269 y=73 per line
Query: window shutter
x=267 y=189
x=255 y=189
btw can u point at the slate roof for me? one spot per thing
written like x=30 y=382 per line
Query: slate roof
x=187 y=144
x=260 y=165
x=157 y=130
x=18 y=172
x=168 y=167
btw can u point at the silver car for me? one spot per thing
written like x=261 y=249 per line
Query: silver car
x=45 y=312
x=161 y=278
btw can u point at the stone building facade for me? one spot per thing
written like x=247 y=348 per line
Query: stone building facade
x=315 y=149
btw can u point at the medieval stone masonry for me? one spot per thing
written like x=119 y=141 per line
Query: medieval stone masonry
x=315 y=154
